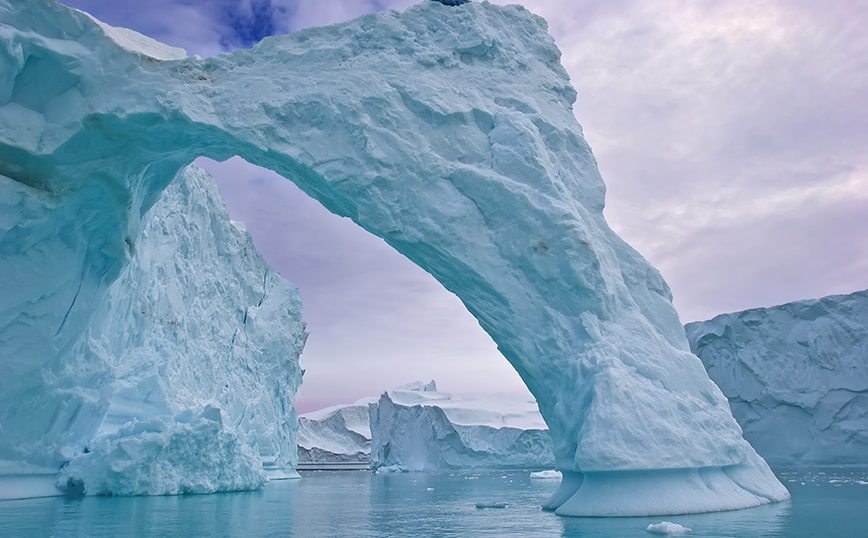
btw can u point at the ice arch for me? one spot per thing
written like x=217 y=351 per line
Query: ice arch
x=448 y=132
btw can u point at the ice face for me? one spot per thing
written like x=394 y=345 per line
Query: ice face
x=446 y=130
x=195 y=321
x=796 y=377
x=431 y=431
x=339 y=434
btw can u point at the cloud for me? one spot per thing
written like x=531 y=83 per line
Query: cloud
x=714 y=123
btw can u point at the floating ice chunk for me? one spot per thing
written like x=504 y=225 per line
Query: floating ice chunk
x=482 y=505
x=668 y=528
x=546 y=475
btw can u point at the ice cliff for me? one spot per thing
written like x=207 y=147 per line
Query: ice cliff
x=446 y=130
x=336 y=435
x=184 y=377
x=796 y=377
x=426 y=430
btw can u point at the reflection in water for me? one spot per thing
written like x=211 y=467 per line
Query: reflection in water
x=360 y=504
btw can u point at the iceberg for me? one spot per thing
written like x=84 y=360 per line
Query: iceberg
x=449 y=132
x=335 y=436
x=416 y=428
x=796 y=376
x=183 y=380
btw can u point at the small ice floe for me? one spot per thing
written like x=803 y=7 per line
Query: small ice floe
x=389 y=469
x=491 y=505
x=668 y=528
x=546 y=475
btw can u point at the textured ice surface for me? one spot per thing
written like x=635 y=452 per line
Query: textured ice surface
x=796 y=377
x=166 y=456
x=446 y=130
x=195 y=321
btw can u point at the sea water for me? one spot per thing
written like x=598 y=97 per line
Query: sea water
x=832 y=503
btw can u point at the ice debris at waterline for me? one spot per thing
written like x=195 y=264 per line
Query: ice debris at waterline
x=447 y=131
x=483 y=505
x=796 y=376
x=183 y=377
x=416 y=428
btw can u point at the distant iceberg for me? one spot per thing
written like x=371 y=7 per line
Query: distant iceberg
x=426 y=430
x=796 y=376
x=416 y=428
x=336 y=436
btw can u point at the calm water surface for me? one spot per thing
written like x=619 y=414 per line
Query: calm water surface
x=831 y=503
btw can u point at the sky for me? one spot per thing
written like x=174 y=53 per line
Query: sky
x=732 y=137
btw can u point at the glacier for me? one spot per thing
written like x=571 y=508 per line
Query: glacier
x=448 y=131
x=796 y=376
x=417 y=428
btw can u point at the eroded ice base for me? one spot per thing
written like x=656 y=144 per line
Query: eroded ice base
x=666 y=492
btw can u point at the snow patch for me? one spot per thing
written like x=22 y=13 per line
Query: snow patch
x=135 y=42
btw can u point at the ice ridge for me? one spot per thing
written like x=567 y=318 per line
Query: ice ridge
x=446 y=130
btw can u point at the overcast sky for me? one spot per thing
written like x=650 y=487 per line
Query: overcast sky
x=732 y=137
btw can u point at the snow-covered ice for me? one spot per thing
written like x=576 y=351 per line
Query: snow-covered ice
x=446 y=130
x=796 y=376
